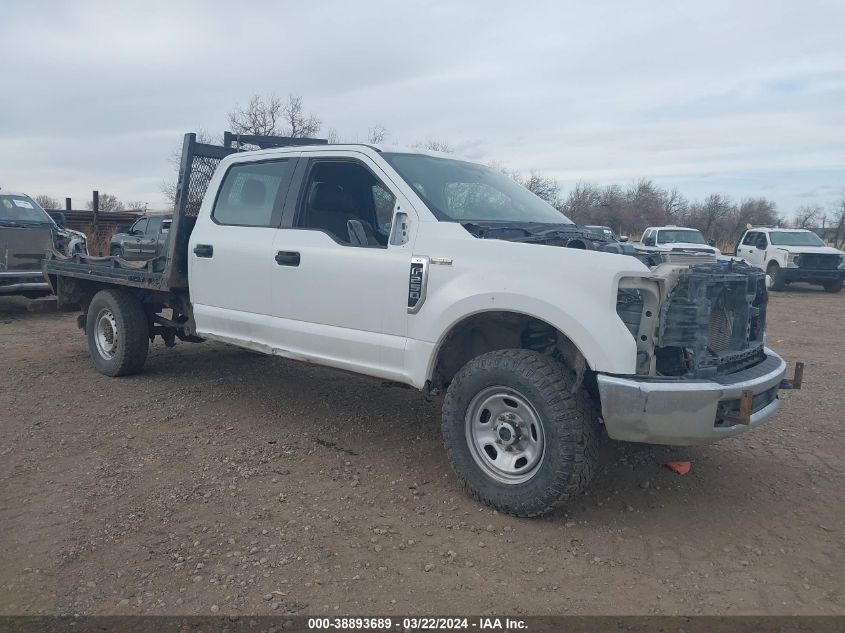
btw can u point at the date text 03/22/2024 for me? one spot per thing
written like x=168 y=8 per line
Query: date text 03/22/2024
x=417 y=624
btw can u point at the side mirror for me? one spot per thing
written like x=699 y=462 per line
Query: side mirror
x=623 y=238
x=59 y=219
x=712 y=242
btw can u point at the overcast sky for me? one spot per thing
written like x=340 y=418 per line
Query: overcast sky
x=743 y=98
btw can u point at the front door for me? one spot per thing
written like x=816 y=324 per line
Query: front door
x=339 y=288
x=756 y=253
x=231 y=253
x=132 y=244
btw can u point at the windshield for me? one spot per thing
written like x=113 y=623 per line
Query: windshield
x=795 y=238
x=21 y=210
x=466 y=192
x=680 y=236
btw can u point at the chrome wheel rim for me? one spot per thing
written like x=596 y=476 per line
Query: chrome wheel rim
x=105 y=335
x=505 y=435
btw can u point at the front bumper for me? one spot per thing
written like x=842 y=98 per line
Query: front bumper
x=813 y=275
x=18 y=281
x=686 y=412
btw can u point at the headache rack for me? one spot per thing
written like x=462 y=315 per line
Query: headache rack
x=169 y=271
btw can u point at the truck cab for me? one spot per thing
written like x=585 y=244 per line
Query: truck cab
x=675 y=239
x=145 y=239
x=445 y=275
x=793 y=255
x=27 y=234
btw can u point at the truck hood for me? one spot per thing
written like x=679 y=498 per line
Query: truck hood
x=23 y=248
x=816 y=250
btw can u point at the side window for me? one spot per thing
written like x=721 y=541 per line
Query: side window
x=384 y=202
x=762 y=243
x=140 y=227
x=346 y=200
x=647 y=237
x=750 y=238
x=153 y=226
x=250 y=192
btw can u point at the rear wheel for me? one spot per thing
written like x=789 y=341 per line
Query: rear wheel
x=776 y=273
x=118 y=332
x=517 y=437
x=833 y=286
x=114 y=251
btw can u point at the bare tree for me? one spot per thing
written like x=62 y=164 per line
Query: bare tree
x=46 y=202
x=270 y=116
x=807 y=216
x=581 y=203
x=434 y=145
x=377 y=134
x=136 y=205
x=262 y=116
x=333 y=136
x=541 y=186
x=108 y=204
x=675 y=205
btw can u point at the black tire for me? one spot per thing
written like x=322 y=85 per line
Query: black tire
x=569 y=424
x=115 y=251
x=129 y=340
x=776 y=273
x=833 y=286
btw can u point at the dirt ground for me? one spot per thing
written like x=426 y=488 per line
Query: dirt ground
x=221 y=481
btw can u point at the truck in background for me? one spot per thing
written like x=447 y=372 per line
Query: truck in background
x=793 y=255
x=27 y=234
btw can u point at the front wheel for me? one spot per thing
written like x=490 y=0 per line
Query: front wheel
x=517 y=437
x=776 y=273
x=118 y=332
x=833 y=286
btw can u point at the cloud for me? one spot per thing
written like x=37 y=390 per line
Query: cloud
x=728 y=95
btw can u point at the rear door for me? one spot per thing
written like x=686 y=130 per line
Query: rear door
x=150 y=237
x=231 y=252
x=132 y=243
x=339 y=289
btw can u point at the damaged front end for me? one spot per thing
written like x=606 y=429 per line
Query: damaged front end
x=696 y=320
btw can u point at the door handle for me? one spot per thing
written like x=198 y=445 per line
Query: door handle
x=287 y=258
x=204 y=250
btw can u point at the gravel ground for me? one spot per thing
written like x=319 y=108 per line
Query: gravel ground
x=221 y=481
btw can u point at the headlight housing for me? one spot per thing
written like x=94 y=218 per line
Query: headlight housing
x=792 y=260
x=842 y=262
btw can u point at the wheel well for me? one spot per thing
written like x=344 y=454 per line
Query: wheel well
x=490 y=331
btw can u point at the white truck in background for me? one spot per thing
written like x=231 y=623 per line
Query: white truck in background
x=670 y=238
x=447 y=276
x=793 y=255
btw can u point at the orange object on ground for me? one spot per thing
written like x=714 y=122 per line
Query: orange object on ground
x=682 y=468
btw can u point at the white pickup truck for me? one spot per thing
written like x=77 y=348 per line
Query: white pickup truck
x=448 y=276
x=789 y=255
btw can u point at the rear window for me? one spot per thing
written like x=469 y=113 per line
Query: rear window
x=679 y=236
x=250 y=193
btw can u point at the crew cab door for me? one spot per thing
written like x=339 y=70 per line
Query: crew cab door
x=132 y=243
x=753 y=247
x=339 y=288
x=149 y=239
x=231 y=253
